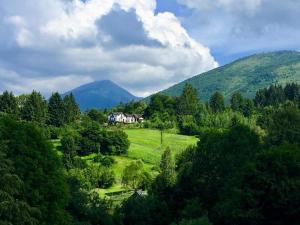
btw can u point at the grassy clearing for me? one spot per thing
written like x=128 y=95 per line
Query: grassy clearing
x=145 y=144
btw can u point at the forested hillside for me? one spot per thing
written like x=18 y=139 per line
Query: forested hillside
x=189 y=163
x=246 y=75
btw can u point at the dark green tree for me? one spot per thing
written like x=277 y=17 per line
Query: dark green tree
x=56 y=110
x=97 y=116
x=134 y=176
x=248 y=107
x=188 y=102
x=8 y=103
x=39 y=167
x=69 y=149
x=284 y=126
x=13 y=209
x=292 y=92
x=166 y=179
x=34 y=108
x=217 y=102
x=160 y=103
x=71 y=109
x=237 y=102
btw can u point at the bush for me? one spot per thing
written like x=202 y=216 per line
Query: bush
x=106 y=161
x=115 y=142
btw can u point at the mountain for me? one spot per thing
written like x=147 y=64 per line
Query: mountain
x=101 y=94
x=246 y=75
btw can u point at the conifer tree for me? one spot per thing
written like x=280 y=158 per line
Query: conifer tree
x=71 y=108
x=34 y=108
x=8 y=103
x=237 y=102
x=56 y=110
x=217 y=102
x=188 y=101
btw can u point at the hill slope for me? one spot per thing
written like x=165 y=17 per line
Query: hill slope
x=246 y=75
x=101 y=94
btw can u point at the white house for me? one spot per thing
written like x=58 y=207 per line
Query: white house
x=116 y=117
x=130 y=119
x=119 y=117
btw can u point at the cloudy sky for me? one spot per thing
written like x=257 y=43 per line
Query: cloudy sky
x=143 y=45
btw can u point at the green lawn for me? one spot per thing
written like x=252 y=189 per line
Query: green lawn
x=145 y=144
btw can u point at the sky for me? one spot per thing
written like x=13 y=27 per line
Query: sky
x=142 y=45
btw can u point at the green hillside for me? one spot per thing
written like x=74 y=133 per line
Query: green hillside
x=246 y=75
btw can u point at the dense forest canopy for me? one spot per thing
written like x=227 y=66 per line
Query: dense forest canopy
x=244 y=170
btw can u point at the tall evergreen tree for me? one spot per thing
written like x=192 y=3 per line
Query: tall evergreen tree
x=217 y=102
x=167 y=167
x=188 y=102
x=167 y=177
x=34 y=108
x=56 y=110
x=13 y=209
x=71 y=108
x=237 y=101
x=8 y=103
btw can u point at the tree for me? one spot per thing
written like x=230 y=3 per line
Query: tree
x=13 y=208
x=34 y=108
x=90 y=140
x=248 y=107
x=266 y=191
x=40 y=169
x=284 y=126
x=188 y=102
x=166 y=179
x=292 y=92
x=68 y=147
x=97 y=116
x=56 y=110
x=237 y=102
x=167 y=167
x=134 y=176
x=217 y=102
x=8 y=103
x=71 y=109
x=161 y=122
x=160 y=103
x=114 y=142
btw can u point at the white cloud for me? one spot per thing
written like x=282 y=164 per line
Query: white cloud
x=244 y=6
x=43 y=42
x=241 y=27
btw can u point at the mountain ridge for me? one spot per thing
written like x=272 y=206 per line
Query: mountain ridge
x=101 y=94
x=246 y=75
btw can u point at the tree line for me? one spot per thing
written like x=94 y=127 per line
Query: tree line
x=57 y=111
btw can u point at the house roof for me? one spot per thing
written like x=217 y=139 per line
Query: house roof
x=116 y=113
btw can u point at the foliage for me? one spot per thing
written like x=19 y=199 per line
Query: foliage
x=115 y=142
x=188 y=102
x=217 y=102
x=35 y=108
x=40 y=169
x=144 y=210
x=134 y=176
x=160 y=104
x=71 y=109
x=97 y=116
x=56 y=110
x=8 y=103
x=166 y=179
x=13 y=207
x=246 y=75
x=284 y=126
